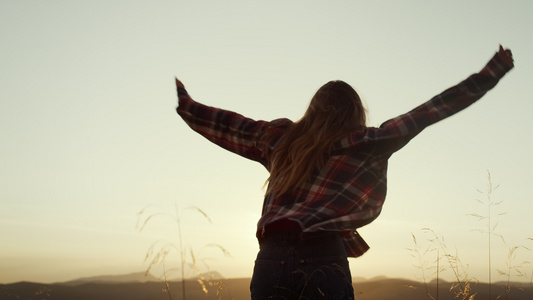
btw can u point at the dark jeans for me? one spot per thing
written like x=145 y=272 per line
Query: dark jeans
x=288 y=267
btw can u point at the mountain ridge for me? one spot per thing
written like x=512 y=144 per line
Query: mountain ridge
x=238 y=288
x=135 y=277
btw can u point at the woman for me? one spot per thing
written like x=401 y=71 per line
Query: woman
x=327 y=177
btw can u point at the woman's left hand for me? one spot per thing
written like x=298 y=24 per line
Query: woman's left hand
x=179 y=84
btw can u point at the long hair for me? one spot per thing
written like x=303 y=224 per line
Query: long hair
x=334 y=110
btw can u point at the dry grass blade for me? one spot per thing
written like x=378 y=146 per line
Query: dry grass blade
x=201 y=212
x=215 y=283
x=202 y=284
x=147 y=220
x=477 y=216
x=224 y=251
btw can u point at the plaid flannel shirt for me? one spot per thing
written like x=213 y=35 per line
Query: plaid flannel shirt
x=349 y=191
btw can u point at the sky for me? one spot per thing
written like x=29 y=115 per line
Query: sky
x=90 y=136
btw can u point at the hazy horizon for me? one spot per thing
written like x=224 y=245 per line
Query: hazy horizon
x=134 y=277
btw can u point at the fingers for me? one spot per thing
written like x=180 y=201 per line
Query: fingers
x=179 y=84
x=508 y=53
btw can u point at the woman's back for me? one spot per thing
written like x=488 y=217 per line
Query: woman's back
x=328 y=176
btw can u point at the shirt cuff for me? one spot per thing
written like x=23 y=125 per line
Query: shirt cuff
x=496 y=67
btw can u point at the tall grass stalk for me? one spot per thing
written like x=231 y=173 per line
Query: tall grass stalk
x=530 y=288
x=438 y=272
x=490 y=204
x=182 y=251
x=159 y=250
x=463 y=284
x=462 y=287
x=419 y=253
x=167 y=285
x=511 y=268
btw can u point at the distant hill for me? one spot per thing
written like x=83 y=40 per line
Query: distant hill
x=132 y=277
x=372 y=289
x=139 y=277
x=227 y=289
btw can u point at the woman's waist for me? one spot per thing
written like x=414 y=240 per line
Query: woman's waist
x=291 y=231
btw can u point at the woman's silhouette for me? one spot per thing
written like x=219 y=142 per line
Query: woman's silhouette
x=328 y=177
